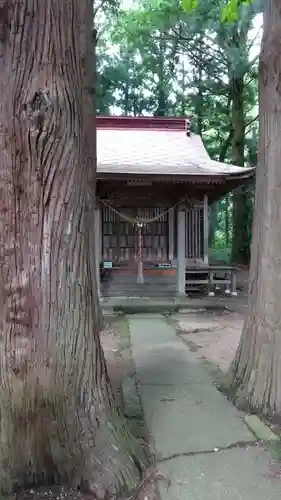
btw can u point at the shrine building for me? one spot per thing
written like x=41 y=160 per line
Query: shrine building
x=155 y=183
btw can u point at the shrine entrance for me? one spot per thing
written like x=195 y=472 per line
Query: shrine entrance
x=135 y=251
x=129 y=232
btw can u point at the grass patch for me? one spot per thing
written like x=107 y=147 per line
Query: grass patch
x=132 y=406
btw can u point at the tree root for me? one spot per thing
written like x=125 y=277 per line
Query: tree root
x=46 y=438
x=150 y=475
x=118 y=460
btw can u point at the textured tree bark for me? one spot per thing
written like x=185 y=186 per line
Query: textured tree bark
x=240 y=240
x=255 y=375
x=161 y=92
x=213 y=215
x=241 y=235
x=58 y=421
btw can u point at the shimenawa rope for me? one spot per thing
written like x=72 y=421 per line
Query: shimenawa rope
x=140 y=223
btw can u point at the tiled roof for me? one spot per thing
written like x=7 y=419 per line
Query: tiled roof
x=156 y=150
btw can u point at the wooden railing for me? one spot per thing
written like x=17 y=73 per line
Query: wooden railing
x=213 y=277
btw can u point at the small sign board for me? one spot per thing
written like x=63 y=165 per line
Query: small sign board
x=107 y=265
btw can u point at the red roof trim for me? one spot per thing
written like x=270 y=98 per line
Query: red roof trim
x=143 y=122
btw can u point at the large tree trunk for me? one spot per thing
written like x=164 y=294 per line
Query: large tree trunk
x=215 y=207
x=91 y=76
x=213 y=220
x=240 y=240
x=255 y=375
x=161 y=90
x=58 y=421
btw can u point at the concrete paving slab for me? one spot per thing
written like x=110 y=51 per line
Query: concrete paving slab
x=166 y=364
x=237 y=474
x=160 y=357
x=191 y=418
x=191 y=421
x=182 y=407
x=131 y=305
x=149 y=329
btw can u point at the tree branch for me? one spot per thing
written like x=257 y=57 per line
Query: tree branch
x=251 y=121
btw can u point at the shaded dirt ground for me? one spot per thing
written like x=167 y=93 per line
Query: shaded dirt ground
x=214 y=335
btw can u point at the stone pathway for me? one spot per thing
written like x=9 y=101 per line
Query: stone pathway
x=201 y=440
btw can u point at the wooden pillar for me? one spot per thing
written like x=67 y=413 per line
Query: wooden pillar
x=97 y=250
x=206 y=229
x=171 y=222
x=181 y=230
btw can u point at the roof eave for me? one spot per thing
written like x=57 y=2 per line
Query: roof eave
x=161 y=177
x=215 y=178
x=246 y=173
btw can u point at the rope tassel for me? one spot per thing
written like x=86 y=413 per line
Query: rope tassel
x=140 y=277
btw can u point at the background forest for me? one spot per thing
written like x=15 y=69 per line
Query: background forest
x=155 y=59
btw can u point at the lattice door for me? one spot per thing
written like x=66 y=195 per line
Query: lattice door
x=155 y=234
x=120 y=237
x=195 y=233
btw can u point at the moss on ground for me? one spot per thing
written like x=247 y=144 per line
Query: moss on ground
x=133 y=408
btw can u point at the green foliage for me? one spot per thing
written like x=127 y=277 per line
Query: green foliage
x=189 y=5
x=230 y=11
